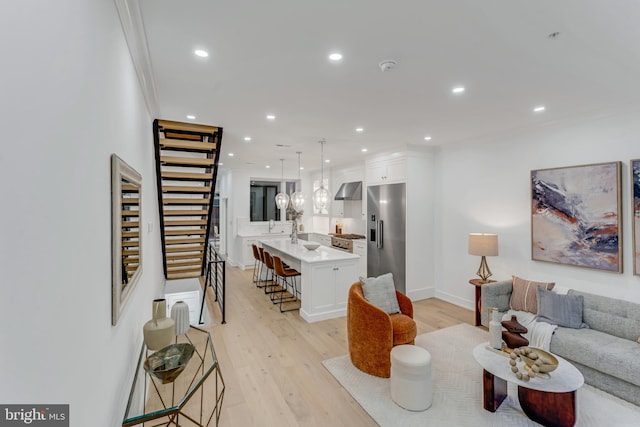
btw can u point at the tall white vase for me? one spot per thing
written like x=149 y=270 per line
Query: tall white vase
x=180 y=315
x=159 y=331
x=495 y=329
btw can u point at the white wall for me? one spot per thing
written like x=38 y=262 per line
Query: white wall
x=484 y=186
x=70 y=98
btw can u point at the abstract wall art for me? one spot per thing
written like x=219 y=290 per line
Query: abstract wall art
x=635 y=197
x=575 y=216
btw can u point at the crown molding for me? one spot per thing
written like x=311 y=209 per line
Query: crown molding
x=133 y=28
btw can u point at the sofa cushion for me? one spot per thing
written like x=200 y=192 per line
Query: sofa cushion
x=561 y=310
x=606 y=353
x=381 y=292
x=523 y=296
x=613 y=316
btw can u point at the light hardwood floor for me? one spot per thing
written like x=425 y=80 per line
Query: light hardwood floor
x=271 y=361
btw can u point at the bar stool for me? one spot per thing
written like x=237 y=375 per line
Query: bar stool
x=269 y=288
x=257 y=265
x=285 y=274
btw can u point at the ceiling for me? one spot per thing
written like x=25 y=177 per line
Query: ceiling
x=271 y=57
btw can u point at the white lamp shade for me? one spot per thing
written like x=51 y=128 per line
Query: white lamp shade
x=297 y=200
x=321 y=198
x=482 y=244
x=282 y=200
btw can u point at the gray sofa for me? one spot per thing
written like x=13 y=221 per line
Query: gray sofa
x=606 y=353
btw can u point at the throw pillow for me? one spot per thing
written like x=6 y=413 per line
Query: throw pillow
x=523 y=296
x=561 y=310
x=381 y=292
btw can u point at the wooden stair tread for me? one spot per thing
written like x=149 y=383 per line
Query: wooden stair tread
x=184 y=241
x=130 y=201
x=176 y=256
x=130 y=224
x=187 y=176
x=185 y=222
x=186 y=161
x=130 y=188
x=184 y=201
x=185 y=212
x=130 y=244
x=168 y=125
x=177 y=269
x=129 y=212
x=130 y=233
x=179 y=144
x=130 y=252
x=200 y=231
x=185 y=249
x=193 y=263
x=185 y=189
x=172 y=276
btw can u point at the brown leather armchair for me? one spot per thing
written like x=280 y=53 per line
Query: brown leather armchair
x=372 y=332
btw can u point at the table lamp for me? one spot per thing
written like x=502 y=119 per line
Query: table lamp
x=483 y=245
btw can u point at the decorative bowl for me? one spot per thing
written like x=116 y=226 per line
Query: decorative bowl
x=168 y=362
x=312 y=246
x=548 y=361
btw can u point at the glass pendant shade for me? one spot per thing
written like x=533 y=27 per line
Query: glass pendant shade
x=282 y=199
x=297 y=200
x=321 y=198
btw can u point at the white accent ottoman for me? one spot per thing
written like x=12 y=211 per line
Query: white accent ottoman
x=411 y=377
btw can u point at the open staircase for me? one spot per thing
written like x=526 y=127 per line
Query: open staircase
x=187 y=158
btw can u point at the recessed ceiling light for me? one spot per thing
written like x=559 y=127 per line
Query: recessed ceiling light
x=268 y=166
x=191 y=117
x=247 y=138
x=327 y=161
x=359 y=129
x=427 y=138
x=364 y=150
x=201 y=53
x=230 y=154
x=271 y=117
x=458 y=89
x=335 y=56
x=301 y=168
x=539 y=109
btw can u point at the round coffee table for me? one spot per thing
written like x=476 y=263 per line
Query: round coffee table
x=548 y=401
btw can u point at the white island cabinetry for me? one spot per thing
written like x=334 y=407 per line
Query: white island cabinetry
x=360 y=248
x=323 y=239
x=326 y=275
x=249 y=240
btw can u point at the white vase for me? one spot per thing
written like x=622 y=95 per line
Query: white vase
x=495 y=330
x=180 y=315
x=159 y=331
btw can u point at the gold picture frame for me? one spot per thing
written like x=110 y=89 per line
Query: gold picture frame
x=126 y=235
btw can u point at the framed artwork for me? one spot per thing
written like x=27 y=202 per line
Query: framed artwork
x=635 y=197
x=575 y=216
x=126 y=192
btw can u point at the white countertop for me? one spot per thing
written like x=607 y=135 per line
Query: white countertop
x=299 y=252
x=265 y=235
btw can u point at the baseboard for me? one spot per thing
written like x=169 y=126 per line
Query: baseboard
x=420 y=294
x=470 y=305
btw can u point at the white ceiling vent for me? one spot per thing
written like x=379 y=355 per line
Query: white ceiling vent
x=387 y=65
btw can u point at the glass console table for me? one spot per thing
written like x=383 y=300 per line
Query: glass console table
x=193 y=398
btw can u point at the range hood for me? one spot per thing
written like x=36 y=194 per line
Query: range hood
x=350 y=191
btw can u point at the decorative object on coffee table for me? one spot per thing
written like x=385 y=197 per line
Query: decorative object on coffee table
x=495 y=329
x=512 y=334
x=159 y=331
x=167 y=363
x=538 y=363
x=180 y=315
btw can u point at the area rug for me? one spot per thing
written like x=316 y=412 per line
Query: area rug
x=457 y=391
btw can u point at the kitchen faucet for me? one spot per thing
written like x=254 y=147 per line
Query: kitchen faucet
x=272 y=224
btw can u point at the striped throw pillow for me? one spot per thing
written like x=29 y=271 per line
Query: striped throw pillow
x=523 y=296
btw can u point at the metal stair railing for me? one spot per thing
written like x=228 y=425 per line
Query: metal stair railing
x=215 y=277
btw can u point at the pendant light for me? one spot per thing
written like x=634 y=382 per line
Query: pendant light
x=282 y=198
x=297 y=198
x=321 y=195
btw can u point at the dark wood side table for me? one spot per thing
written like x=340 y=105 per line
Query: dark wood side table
x=478 y=284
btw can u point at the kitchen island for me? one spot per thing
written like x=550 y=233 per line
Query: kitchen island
x=326 y=276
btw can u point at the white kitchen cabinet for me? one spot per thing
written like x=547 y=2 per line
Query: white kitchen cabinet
x=330 y=285
x=187 y=290
x=247 y=252
x=386 y=171
x=360 y=248
x=337 y=208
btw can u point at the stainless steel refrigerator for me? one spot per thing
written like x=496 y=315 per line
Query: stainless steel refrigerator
x=386 y=225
